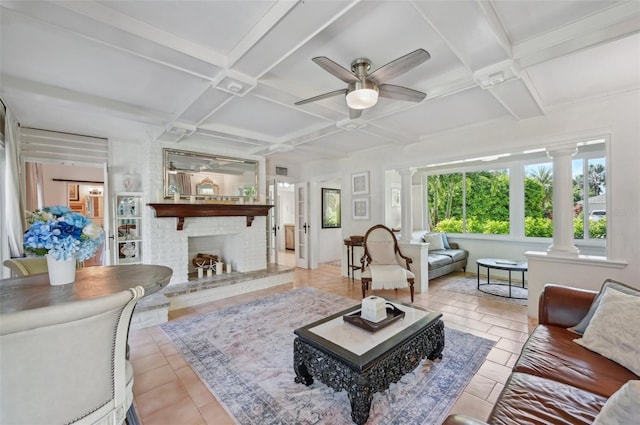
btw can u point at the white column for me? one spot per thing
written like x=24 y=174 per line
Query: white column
x=562 y=201
x=406 y=217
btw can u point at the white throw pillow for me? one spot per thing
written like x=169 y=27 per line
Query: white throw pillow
x=434 y=240
x=613 y=331
x=622 y=408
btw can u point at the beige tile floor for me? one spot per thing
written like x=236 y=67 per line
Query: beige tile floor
x=167 y=391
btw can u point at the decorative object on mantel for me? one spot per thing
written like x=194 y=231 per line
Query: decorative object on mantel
x=182 y=210
x=131 y=181
x=64 y=237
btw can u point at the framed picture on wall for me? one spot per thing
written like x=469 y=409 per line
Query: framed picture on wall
x=360 y=208
x=74 y=193
x=331 y=218
x=360 y=183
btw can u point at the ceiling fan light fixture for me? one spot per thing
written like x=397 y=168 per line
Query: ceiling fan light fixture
x=362 y=98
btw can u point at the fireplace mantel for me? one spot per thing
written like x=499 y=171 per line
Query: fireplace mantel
x=182 y=210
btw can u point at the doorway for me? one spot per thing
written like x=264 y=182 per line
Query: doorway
x=78 y=187
x=282 y=225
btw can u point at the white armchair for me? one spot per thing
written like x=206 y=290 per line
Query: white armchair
x=383 y=265
x=65 y=364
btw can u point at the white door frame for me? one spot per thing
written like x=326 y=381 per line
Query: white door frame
x=302 y=249
x=273 y=223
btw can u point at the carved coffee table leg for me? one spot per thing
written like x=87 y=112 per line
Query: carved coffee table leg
x=302 y=374
x=360 y=397
x=437 y=337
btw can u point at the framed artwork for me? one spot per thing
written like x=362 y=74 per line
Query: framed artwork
x=360 y=209
x=74 y=193
x=360 y=183
x=395 y=196
x=331 y=218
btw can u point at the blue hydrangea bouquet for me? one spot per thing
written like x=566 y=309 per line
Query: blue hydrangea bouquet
x=62 y=233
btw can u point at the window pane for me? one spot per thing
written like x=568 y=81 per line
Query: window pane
x=596 y=201
x=589 y=198
x=487 y=202
x=445 y=202
x=538 y=205
x=577 y=166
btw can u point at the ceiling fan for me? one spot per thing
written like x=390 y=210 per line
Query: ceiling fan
x=364 y=88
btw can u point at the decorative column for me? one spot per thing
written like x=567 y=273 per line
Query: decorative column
x=406 y=217
x=562 y=201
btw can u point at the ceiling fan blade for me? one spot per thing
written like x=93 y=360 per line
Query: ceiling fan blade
x=355 y=113
x=322 y=96
x=401 y=93
x=336 y=70
x=399 y=66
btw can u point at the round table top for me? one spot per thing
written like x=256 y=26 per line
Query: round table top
x=34 y=291
x=501 y=264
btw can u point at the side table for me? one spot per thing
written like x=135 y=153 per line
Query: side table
x=500 y=264
x=351 y=242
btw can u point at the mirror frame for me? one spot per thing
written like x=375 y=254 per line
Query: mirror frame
x=169 y=153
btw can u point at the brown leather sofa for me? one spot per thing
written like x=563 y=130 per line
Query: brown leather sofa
x=555 y=380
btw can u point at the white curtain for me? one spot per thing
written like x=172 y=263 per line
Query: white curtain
x=184 y=183
x=35 y=186
x=13 y=187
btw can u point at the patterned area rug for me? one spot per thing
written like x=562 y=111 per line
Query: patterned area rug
x=245 y=355
x=497 y=292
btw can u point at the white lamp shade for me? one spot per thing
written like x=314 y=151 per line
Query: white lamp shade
x=362 y=98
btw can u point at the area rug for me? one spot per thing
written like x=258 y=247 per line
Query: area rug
x=244 y=354
x=497 y=292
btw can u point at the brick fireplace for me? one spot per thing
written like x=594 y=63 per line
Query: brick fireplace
x=244 y=246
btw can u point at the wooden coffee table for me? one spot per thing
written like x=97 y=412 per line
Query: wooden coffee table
x=346 y=357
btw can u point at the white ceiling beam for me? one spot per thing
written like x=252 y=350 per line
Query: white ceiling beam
x=269 y=21
x=104 y=32
x=616 y=22
x=236 y=134
x=116 y=19
x=496 y=25
x=294 y=31
x=73 y=98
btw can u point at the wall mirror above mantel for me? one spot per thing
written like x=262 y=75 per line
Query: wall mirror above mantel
x=206 y=175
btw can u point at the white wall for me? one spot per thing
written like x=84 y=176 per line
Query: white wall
x=392 y=213
x=330 y=241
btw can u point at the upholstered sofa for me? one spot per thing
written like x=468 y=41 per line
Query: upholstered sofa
x=558 y=381
x=444 y=256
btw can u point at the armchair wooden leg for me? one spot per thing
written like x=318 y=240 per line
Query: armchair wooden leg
x=411 y=282
x=365 y=286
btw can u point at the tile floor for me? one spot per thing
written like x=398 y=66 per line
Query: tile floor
x=167 y=391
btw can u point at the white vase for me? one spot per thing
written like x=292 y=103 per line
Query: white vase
x=61 y=272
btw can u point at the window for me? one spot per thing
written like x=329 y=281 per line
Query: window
x=589 y=212
x=538 y=195
x=477 y=201
x=487 y=202
x=445 y=202
x=470 y=202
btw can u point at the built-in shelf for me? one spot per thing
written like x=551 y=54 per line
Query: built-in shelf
x=182 y=210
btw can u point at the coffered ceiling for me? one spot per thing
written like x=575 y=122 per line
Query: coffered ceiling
x=226 y=74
